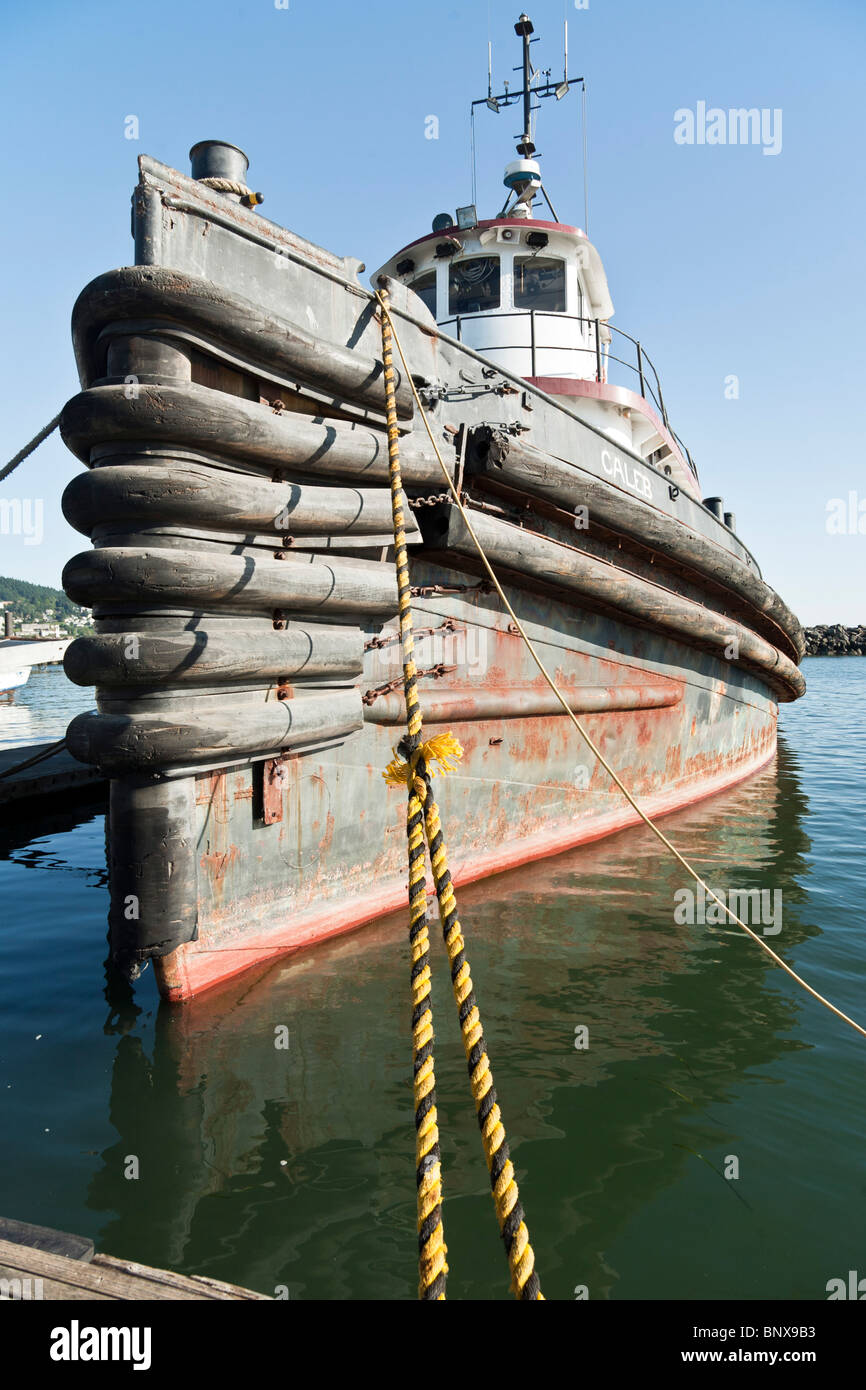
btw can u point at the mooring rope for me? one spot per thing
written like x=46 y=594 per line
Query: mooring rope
x=432 y=1250
x=594 y=749
x=48 y=752
x=413 y=767
x=28 y=448
x=246 y=195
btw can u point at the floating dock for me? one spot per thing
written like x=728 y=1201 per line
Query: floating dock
x=56 y=774
x=37 y=1263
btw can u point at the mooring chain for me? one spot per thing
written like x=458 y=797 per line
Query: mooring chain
x=369 y=697
x=412 y=766
x=434 y=499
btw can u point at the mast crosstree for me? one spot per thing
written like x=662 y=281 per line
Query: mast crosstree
x=525 y=187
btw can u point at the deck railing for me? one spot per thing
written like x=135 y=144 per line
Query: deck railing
x=639 y=363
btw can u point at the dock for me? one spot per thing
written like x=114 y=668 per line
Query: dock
x=56 y=775
x=37 y=1263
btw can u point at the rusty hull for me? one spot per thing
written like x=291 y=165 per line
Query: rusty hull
x=525 y=788
x=247 y=656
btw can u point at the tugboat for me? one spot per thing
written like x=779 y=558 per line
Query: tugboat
x=247 y=659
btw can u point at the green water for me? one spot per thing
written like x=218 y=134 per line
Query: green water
x=295 y=1167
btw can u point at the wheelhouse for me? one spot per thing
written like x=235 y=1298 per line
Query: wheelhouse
x=530 y=295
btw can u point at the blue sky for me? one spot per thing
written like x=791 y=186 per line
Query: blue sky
x=723 y=260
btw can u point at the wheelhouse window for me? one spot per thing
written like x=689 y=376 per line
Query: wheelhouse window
x=539 y=283
x=425 y=288
x=473 y=285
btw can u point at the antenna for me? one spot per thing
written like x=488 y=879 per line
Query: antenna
x=490 y=98
x=585 y=177
x=562 y=90
x=524 y=28
x=534 y=86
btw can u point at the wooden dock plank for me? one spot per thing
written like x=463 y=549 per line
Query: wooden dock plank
x=107 y=1278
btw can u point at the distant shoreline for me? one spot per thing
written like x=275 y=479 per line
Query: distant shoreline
x=832 y=639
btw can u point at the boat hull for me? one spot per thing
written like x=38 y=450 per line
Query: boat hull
x=11 y=681
x=247 y=657
x=330 y=903
x=525 y=787
x=18 y=657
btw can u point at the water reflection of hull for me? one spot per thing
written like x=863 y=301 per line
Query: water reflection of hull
x=23 y=822
x=294 y=1166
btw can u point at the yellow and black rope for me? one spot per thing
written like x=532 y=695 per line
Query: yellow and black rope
x=509 y=1211
x=428 y=1164
x=413 y=767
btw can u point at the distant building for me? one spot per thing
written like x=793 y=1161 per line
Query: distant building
x=40 y=629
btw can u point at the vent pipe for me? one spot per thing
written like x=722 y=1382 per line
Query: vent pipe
x=223 y=167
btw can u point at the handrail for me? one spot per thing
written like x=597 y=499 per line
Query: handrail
x=641 y=366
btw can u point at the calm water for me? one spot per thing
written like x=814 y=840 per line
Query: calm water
x=295 y=1167
x=41 y=709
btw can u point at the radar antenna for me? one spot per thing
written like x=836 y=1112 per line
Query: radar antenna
x=532 y=87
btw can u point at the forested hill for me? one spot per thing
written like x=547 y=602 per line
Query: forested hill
x=31 y=603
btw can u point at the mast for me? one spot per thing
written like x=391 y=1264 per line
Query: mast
x=523 y=176
x=524 y=28
x=497 y=101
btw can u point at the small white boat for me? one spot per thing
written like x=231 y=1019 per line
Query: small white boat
x=18 y=656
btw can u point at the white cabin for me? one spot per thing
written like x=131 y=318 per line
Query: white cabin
x=532 y=297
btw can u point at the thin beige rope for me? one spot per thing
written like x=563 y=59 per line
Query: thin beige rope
x=585 y=736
